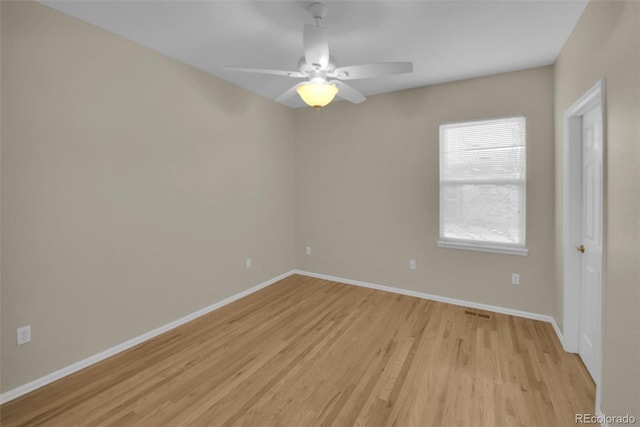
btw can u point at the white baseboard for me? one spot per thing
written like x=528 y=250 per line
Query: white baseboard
x=558 y=331
x=603 y=417
x=454 y=301
x=68 y=370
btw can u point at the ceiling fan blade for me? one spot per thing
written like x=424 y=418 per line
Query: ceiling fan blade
x=294 y=74
x=348 y=93
x=291 y=92
x=316 y=46
x=366 y=71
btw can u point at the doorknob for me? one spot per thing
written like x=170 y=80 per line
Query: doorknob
x=580 y=248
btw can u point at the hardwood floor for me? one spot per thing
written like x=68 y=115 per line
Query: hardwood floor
x=308 y=352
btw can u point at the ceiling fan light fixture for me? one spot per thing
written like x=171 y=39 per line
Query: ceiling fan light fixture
x=317 y=95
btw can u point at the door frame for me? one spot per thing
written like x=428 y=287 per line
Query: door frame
x=572 y=209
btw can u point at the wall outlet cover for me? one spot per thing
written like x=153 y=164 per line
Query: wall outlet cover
x=24 y=334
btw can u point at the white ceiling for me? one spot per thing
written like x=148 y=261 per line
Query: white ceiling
x=446 y=40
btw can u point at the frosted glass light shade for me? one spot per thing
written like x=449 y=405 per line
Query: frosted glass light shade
x=317 y=95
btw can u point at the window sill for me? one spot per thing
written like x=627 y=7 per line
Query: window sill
x=483 y=248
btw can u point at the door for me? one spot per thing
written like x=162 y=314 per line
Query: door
x=591 y=247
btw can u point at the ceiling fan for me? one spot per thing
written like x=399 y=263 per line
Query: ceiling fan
x=323 y=78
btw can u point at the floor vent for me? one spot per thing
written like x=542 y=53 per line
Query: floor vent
x=471 y=313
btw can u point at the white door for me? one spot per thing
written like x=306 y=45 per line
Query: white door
x=591 y=246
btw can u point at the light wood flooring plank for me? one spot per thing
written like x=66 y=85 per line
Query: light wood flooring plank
x=306 y=351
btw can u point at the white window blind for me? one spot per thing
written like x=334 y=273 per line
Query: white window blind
x=482 y=185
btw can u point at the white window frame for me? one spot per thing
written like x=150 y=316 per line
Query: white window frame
x=476 y=245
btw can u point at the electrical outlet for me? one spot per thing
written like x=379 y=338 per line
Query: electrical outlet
x=308 y=249
x=412 y=264
x=515 y=279
x=24 y=334
x=248 y=263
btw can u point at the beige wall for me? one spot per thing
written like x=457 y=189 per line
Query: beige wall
x=1 y=368
x=367 y=191
x=133 y=189
x=606 y=44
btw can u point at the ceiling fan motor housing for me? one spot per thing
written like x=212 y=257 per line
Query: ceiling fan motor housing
x=311 y=68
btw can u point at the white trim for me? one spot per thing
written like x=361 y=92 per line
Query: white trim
x=601 y=415
x=454 y=301
x=599 y=411
x=572 y=208
x=476 y=245
x=68 y=370
x=481 y=120
x=571 y=176
x=483 y=248
x=557 y=330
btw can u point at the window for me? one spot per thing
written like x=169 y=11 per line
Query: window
x=482 y=185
